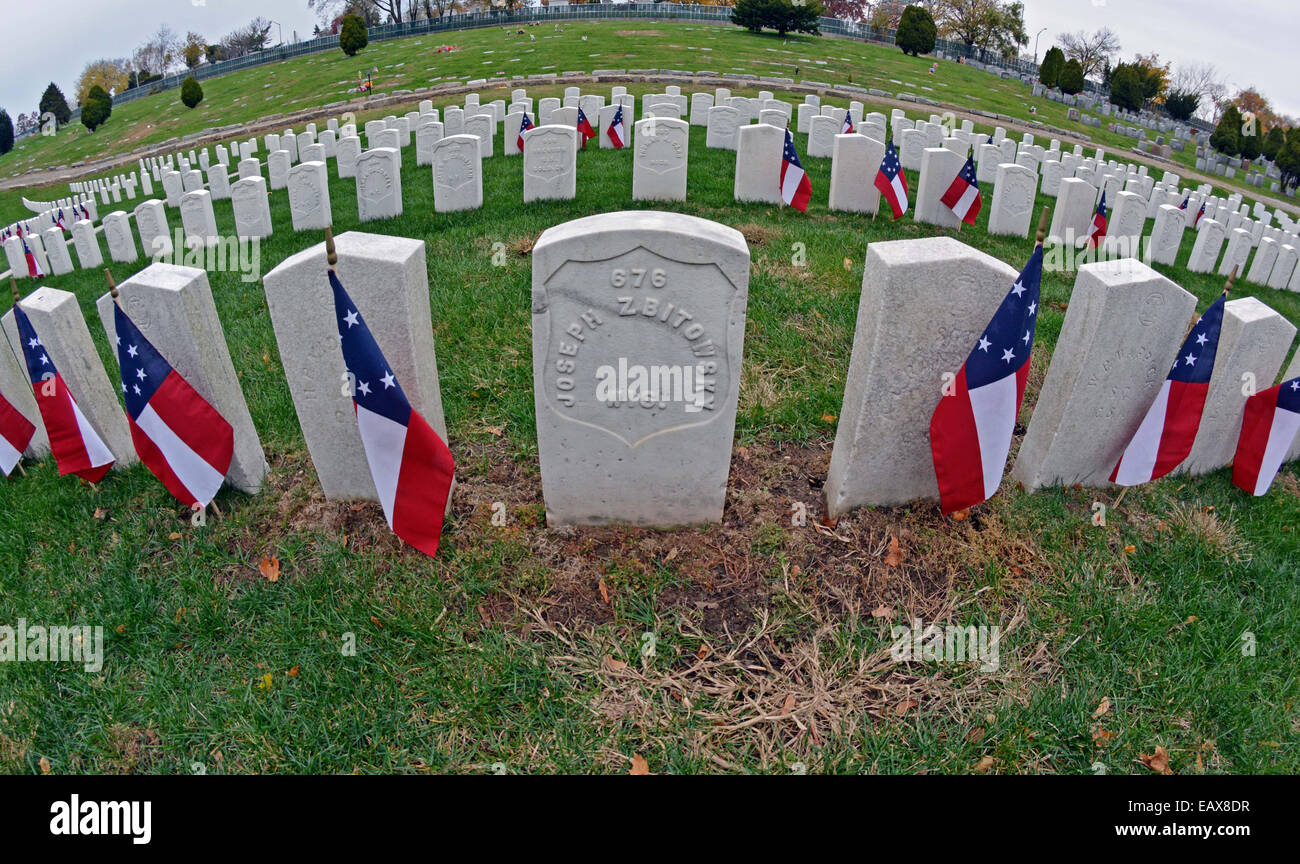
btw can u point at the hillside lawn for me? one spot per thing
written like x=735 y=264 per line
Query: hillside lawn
x=521 y=649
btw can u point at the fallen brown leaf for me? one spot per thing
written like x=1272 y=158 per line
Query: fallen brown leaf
x=639 y=765
x=1158 y=761
x=270 y=569
x=983 y=765
x=1103 y=707
x=612 y=665
x=895 y=554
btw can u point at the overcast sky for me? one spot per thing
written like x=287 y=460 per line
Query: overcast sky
x=1251 y=43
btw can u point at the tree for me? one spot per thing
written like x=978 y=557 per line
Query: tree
x=96 y=108
x=1251 y=101
x=111 y=76
x=848 y=10
x=6 y=132
x=1288 y=159
x=1226 y=137
x=1181 y=104
x=196 y=47
x=1274 y=141
x=1053 y=62
x=52 y=102
x=1203 y=80
x=783 y=16
x=352 y=35
x=159 y=54
x=191 y=92
x=916 y=31
x=248 y=39
x=983 y=25
x=1154 y=76
x=1126 y=87
x=1251 y=141
x=1091 y=50
x=1071 y=80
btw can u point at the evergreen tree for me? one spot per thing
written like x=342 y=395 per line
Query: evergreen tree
x=1049 y=74
x=916 y=31
x=1071 y=80
x=6 y=132
x=1226 y=137
x=191 y=92
x=352 y=35
x=52 y=101
x=96 y=109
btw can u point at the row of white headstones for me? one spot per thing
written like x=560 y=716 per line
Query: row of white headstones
x=935 y=148
x=660 y=298
x=638 y=336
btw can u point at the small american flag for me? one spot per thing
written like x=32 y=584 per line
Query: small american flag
x=1097 y=230
x=963 y=196
x=796 y=188
x=892 y=182
x=411 y=466
x=1268 y=429
x=617 y=134
x=524 y=125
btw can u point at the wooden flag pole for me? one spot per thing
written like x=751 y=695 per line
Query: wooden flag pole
x=13 y=284
x=1231 y=278
x=112 y=286
x=331 y=254
x=1041 y=234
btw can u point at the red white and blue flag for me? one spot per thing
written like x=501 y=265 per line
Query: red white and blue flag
x=1199 y=214
x=33 y=266
x=584 y=128
x=1097 y=229
x=846 y=128
x=1165 y=437
x=58 y=220
x=85 y=214
x=796 y=188
x=616 y=133
x=524 y=125
x=963 y=196
x=411 y=466
x=16 y=433
x=181 y=438
x=76 y=446
x=1268 y=429
x=1186 y=201
x=892 y=182
x=972 y=426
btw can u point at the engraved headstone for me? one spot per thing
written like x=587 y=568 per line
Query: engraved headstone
x=659 y=165
x=923 y=305
x=56 y=317
x=309 y=196
x=387 y=278
x=1123 y=327
x=1253 y=344
x=638 y=330
x=550 y=162
x=457 y=173
x=251 y=207
x=758 y=158
x=723 y=122
x=853 y=159
x=1012 y=209
x=173 y=308
x=155 y=232
x=379 y=184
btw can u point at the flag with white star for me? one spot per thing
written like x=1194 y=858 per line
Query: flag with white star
x=178 y=435
x=76 y=446
x=971 y=428
x=411 y=465
x=1164 y=438
x=1268 y=429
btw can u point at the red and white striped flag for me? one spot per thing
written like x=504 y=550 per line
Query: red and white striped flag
x=1268 y=429
x=892 y=182
x=796 y=188
x=16 y=433
x=76 y=446
x=963 y=196
x=411 y=466
x=1165 y=437
x=178 y=435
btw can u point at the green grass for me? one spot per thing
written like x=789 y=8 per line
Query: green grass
x=767 y=653
x=412 y=63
